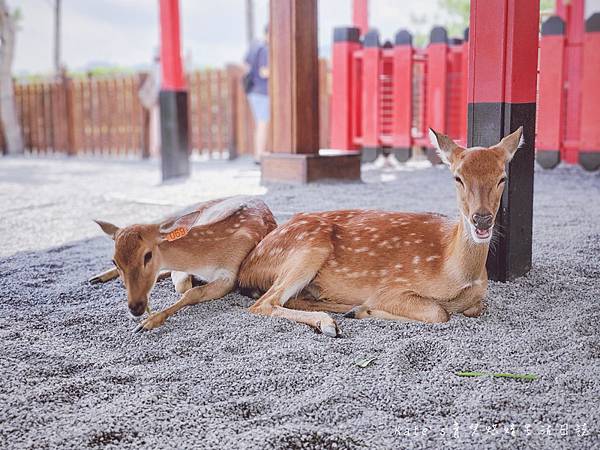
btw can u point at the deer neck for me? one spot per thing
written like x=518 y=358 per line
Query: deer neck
x=466 y=258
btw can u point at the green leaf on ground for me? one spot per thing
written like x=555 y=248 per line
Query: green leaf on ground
x=364 y=362
x=517 y=376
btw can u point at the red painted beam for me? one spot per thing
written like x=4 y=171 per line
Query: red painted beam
x=170 y=47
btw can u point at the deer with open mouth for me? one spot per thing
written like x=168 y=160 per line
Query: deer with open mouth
x=389 y=265
x=209 y=243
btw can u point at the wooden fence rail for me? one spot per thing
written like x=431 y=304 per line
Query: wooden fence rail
x=102 y=115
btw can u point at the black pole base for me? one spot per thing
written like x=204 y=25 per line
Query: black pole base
x=589 y=160
x=488 y=123
x=402 y=154
x=174 y=126
x=370 y=154
x=548 y=159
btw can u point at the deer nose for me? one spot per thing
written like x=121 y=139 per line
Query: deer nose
x=137 y=309
x=483 y=221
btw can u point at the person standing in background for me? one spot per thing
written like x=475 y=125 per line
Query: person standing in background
x=256 y=85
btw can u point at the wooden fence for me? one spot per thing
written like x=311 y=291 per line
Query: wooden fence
x=104 y=116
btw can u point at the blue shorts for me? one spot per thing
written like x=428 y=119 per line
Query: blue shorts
x=259 y=104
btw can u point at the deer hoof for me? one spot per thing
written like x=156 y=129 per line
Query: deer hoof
x=329 y=328
x=153 y=321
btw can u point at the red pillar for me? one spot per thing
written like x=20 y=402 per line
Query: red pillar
x=173 y=96
x=503 y=54
x=371 y=101
x=572 y=12
x=589 y=153
x=551 y=100
x=437 y=85
x=402 y=96
x=360 y=15
x=346 y=41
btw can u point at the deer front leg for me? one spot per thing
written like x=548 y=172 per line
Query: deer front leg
x=105 y=276
x=404 y=307
x=475 y=310
x=210 y=291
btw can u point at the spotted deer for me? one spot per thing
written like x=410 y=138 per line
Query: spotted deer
x=209 y=243
x=388 y=265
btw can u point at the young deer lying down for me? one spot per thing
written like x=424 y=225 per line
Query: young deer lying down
x=210 y=243
x=389 y=265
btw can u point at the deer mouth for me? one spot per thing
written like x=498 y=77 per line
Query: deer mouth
x=483 y=233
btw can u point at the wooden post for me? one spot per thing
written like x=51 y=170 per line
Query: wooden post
x=503 y=57
x=67 y=83
x=294 y=99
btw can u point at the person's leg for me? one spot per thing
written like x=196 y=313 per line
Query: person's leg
x=260 y=139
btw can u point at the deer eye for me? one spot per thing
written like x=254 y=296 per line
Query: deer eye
x=502 y=180
x=147 y=258
x=458 y=180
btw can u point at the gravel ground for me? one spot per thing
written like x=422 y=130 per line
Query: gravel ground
x=74 y=376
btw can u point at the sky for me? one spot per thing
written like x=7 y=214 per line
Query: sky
x=125 y=32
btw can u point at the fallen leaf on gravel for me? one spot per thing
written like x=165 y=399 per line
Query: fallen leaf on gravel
x=364 y=362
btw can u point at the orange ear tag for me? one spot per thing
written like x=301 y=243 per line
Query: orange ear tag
x=177 y=233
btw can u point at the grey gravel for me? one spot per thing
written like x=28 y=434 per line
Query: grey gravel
x=74 y=376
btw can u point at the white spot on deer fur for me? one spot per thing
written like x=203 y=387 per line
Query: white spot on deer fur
x=383 y=243
x=431 y=244
x=406 y=242
x=395 y=239
x=416 y=260
x=362 y=249
x=209 y=232
x=413 y=234
x=356 y=238
x=432 y=258
x=371 y=253
x=398 y=266
x=418 y=241
x=400 y=280
x=383 y=272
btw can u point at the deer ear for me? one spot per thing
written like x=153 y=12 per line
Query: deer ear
x=108 y=228
x=446 y=148
x=212 y=214
x=512 y=143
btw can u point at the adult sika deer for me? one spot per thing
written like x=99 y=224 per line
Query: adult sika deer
x=210 y=242
x=389 y=265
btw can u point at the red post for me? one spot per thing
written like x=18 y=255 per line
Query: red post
x=464 y=98
x=551 y=100
x=589 y=154
x=170 y=49
x=345 y=43
x=437 y=76
x=572 y=12
x=503 y=53
x=402 y=96
x=360 y=15
x=173 y=96
x=371 y=96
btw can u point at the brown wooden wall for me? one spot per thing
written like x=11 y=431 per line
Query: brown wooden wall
x=103 y=115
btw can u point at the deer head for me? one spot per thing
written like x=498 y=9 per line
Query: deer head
x=480 y=176
x=141 y=250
